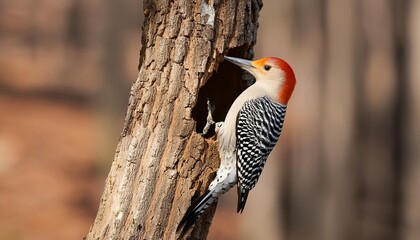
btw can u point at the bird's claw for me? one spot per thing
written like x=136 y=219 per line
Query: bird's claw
x=210 y=109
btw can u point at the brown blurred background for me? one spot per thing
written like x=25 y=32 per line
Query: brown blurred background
x=347 y=165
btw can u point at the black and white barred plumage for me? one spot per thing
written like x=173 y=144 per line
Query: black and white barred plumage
x=259 y=127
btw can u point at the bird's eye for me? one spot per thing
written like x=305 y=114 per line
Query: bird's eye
x=267 y=67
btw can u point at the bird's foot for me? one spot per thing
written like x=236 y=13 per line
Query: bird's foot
x=210 y=109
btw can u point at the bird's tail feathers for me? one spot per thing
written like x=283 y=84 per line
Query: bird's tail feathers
x=242 y=197
x=195 y=211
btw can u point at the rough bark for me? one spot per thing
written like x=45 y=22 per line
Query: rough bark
x=161 y=163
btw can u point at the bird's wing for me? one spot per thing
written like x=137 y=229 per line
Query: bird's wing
x=258 y=128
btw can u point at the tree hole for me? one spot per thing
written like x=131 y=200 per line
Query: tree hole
x=222 y=88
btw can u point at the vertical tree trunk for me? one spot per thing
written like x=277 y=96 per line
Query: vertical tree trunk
x=411 y=169
x=161 y=163
x=339 y=100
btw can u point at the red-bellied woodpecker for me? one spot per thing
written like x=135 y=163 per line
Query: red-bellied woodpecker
x=250 y=131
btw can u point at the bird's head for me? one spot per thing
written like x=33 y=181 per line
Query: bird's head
x=273 y=71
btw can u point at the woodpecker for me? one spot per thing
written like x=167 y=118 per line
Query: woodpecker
x=250 y=131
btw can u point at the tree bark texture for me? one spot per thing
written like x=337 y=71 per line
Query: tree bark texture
x=161 y=162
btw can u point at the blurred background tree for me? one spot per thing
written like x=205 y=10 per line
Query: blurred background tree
x=347 y=166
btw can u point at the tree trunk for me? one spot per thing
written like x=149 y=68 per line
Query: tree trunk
x=161 y=163
x=411 y=143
